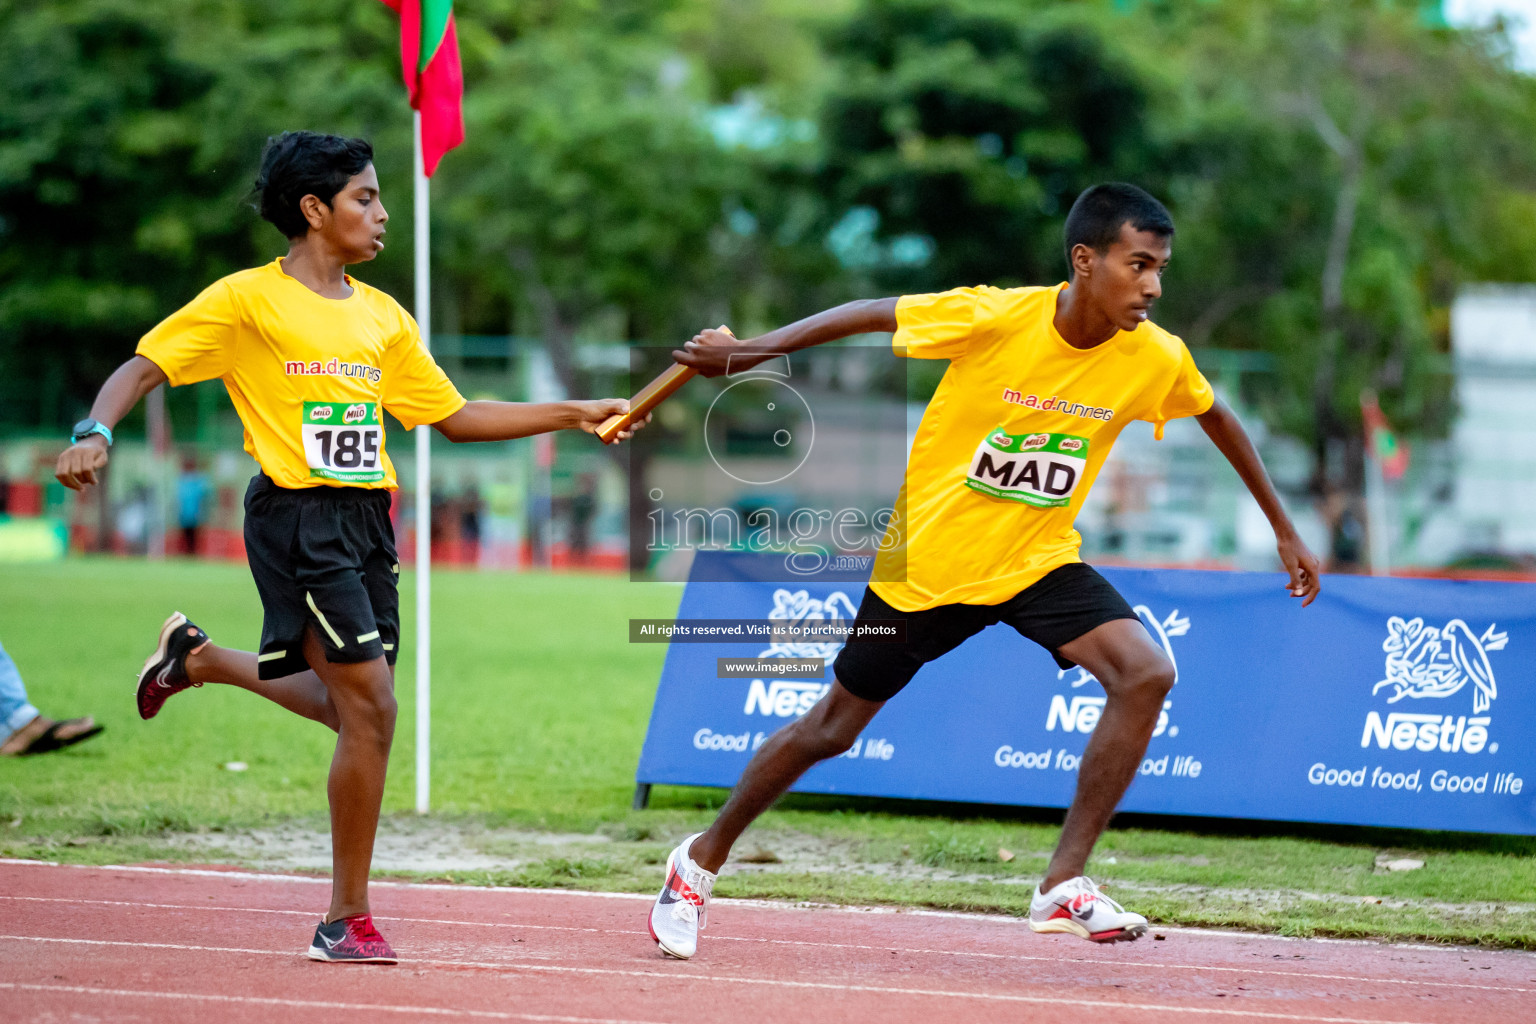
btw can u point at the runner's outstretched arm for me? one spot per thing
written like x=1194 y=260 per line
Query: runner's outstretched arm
x=503 y=421
x=1226 y=431
x=130 y=382
x=710 y=352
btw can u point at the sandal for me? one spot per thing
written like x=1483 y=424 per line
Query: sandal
x=60 y=735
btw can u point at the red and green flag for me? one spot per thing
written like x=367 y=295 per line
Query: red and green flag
x=429 y=62
x=1390 y=451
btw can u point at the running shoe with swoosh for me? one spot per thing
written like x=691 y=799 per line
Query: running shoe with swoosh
x=682 y=909
x=351 y=940
x=1078 y=907
x=165 y=672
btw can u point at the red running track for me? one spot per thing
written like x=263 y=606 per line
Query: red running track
x=169 y=945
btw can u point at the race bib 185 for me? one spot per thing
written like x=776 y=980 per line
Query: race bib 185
x=344 y=441
x=1041 y=469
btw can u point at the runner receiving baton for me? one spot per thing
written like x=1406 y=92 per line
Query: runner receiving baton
x=986 y=540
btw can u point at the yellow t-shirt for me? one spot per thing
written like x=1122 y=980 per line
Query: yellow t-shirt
x=307 y=374
x=1013 y=439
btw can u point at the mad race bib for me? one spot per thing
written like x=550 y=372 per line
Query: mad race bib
x=344 y=441
x=1039 y=469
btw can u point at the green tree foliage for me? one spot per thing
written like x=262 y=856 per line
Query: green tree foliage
x=638 y=168
x=592 y=195
x=1345 y=168
x=972 y=125
x=1338 y=168
x=129 y=133
x=595 y=191
x=589 y=186
x=591 y=192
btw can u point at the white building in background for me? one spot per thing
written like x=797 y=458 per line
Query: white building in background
x=1178 y=502
x=1471 y=497
x=1493 y=341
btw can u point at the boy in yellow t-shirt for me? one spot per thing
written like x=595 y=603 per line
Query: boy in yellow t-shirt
x=311 y=359
x=1040 y=383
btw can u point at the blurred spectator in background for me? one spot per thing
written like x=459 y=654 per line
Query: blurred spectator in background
x=5 y=495
x=192 y=490
x=469 y=525
x=23 y=729
x=583 y=508
x=540 y=510
x=1346 y=531
x=133 y=519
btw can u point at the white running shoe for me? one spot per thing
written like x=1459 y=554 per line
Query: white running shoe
x=682 y=909
x=1077 y=906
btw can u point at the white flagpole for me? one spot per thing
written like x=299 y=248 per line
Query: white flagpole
x=423 y=497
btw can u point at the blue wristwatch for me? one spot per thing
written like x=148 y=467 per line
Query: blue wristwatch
x=85 y=428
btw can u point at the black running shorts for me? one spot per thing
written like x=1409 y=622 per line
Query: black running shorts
x=323 y=557
x=1060 y=607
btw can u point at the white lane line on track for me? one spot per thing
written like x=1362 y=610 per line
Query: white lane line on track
x=1022 y=957
x=765 y=904
x=315 y=1004
x=779 y=905
x=260 y=876
x=732 y=979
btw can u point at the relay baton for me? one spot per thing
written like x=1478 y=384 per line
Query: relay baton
x=649 y=397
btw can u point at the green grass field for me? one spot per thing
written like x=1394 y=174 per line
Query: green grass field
x=540 y=705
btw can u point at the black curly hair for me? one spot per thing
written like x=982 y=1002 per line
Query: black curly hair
x=1096 y=217
x=299 y=164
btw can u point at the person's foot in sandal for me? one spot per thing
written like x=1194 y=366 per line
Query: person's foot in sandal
x=42 y=735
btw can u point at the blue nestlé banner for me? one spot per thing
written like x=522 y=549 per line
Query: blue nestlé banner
x=1388 y=702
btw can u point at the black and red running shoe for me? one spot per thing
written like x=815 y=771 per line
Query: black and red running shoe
x=165 y=672
x=352 y=940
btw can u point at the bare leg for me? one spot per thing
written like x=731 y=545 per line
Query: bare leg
x=302 y=693
x=363 y=695
x=825 y=731
x=357 y=701
x=1136 y=677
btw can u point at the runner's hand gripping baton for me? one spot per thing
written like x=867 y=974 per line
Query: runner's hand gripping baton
x=648 y=398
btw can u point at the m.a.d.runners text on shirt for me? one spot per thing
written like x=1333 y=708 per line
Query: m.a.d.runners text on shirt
x=1058 y=404
x=333 y=367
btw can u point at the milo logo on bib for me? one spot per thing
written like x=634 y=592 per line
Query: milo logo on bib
x=1040 y=469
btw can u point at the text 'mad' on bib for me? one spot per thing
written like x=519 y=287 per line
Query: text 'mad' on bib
x=1040 y=469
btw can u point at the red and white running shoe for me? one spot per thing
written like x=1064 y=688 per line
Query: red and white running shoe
x=682 y=909
x=165 y=672
x=1077 y=906
x=352 y=940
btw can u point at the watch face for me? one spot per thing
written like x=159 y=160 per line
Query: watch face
x=83 y=426
x=755 y=427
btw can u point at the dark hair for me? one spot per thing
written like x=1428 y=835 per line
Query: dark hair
x=1096 y=217
x=299 y=164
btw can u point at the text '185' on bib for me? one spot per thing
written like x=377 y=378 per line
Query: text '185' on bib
x=343 y=441
x=1039 y=469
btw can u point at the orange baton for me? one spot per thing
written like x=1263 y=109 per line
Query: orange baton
x=649 y=397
